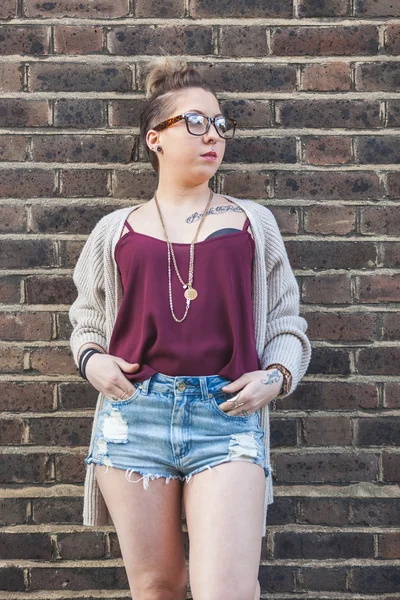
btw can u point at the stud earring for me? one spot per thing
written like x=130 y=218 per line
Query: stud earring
x=159 y=148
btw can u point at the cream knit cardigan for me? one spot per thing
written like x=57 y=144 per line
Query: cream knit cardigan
x=279 y=330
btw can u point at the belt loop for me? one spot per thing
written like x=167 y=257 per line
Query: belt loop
x=204 y=387
x=144 y=385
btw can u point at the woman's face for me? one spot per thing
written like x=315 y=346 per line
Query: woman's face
x=181 y=151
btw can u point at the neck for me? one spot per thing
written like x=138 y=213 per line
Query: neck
x=176 y=196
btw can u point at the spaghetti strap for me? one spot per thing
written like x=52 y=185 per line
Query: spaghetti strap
x=246 y=224
x=128 y=226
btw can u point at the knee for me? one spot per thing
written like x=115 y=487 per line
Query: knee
x=161 y=592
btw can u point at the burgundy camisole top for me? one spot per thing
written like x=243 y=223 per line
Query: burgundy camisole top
x=217 y=335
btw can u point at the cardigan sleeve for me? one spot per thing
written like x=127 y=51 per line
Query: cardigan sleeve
x=87 y=312
x=286 y=342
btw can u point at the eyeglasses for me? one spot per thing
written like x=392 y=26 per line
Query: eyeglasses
x=197 y=124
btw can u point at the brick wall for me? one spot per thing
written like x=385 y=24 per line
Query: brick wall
x=315 y=88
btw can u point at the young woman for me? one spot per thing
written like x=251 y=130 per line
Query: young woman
x=187 y=323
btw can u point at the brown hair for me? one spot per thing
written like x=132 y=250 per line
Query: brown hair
x=166 y=78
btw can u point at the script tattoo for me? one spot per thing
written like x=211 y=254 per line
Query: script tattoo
x=213 y=210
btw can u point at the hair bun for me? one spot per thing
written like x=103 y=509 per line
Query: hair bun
x=166 y=74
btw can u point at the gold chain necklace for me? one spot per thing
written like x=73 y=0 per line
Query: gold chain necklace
x=190 y=293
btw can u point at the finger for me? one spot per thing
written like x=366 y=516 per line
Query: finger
x=121 y=391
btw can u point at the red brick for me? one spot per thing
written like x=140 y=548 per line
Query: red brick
x=329 y=220
x=391 y=255
x=381 y=220
x=332 y=467
x=8 y=9
x=63 y=431
x=77 y=77
x=83 y=148
x=109 y=9
x=236 y=8
x=317 y=185
x=58 y=510
x=389 y=545
x=25 y=326
x=10 y=76
x=391 y=394
x=13 y=218
x=391 y=467
x=380 y=288
x=26 y=183
x=332 y=512
x=376 y=8
x=11 y=433
x=24 y=468
x=327 y=150
x=287 y=218
x=11 y=359
x=10 y=289
x=26 y=397
x=88 y=182
x=50 y=290
x=77 y=219
x=23 y=113
x=332 y=77
x=331 y=255
x=52 y=361
x=25 y=253
x=24 y=40
x=392 y=39
x=325 y=41
x=71 y=468
x=78 y=40
x=248 y=184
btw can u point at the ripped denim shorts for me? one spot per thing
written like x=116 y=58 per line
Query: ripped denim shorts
x=173 y=427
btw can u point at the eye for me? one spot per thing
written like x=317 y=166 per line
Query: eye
x=196 y=119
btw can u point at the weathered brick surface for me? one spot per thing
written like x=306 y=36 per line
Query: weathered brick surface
x=313 y=86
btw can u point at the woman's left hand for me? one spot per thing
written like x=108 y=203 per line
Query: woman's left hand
x=255 y=389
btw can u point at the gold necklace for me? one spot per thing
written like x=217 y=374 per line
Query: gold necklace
x=190 y=293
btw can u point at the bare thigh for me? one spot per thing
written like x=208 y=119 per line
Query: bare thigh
x=224 y=510
x=149 y=529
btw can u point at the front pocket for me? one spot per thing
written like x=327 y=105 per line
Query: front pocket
x=219 y=398
x=127 y=400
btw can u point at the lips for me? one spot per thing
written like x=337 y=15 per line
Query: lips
x=210 y=154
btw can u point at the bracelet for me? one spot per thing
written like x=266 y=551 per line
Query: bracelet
x=287 y=381
x=84 y=357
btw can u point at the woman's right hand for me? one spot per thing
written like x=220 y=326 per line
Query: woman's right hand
x=104 y=372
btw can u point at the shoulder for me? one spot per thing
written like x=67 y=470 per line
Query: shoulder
x=261 y=213
x=108 y=225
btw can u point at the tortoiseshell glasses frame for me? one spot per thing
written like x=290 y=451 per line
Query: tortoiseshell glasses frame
x=210 y=120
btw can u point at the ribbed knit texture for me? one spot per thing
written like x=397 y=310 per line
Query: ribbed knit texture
x=280 y=332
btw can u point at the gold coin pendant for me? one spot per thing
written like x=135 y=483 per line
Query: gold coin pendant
x=190 y=293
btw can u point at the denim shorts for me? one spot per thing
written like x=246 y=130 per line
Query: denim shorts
x=173 y=427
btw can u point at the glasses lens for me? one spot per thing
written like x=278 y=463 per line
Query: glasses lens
x=197 y=125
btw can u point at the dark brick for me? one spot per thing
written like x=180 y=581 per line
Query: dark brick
x=11 y=359
x=283 y=432
x=378 y=579
x=64 y=326
x=331 y=289
x=8 y=9
x=109 y=9
x=82 y=114
x=371 y=512
x=391 y=467
x=392 y=39
x=293 y=545
x=243 y=41
x=331 y=77
x=277 y=578
x=87 y=545
x=393 y=113
x=11 y=433
x=331 y=255
x=326 y=431
x=58 y=510
x=325 y=41
x=378 y=360
x=262 y=149
x=10 y=289
x=391 y=255
x=79 y=578
x=335 y=113
x=20 y=254
x=24 y=40
x=77 y=396
x=78 y=219
x=24 y=468
x=330 y=361
x=391 y=394
x=26 y=183
x=236 y=77
x=12 y=511
x=77 y=77
x=332 y=8
x=335 y=395
x=377 y=150
x=146 y=39
x=377 y=76
x=71 y=468
x=16 y=112
x=12 y=579
x=343 y=327
x=14 y=219
x=63 y=431
x=83 y=148
x=26 y=397
x=316 y=185
x=391 y=326
x=13 y=148
x=78 y=40
x=32 y=546
x=238 y=8
x=330 y=512
x=84 y=183
x=329 y=579
x=330 y=220
x=379 y=431
x=332 y=467
x=376 y=8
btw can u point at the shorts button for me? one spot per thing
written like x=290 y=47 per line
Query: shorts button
x=182 y=386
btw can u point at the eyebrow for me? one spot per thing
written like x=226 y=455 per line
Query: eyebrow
x=200 y=111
